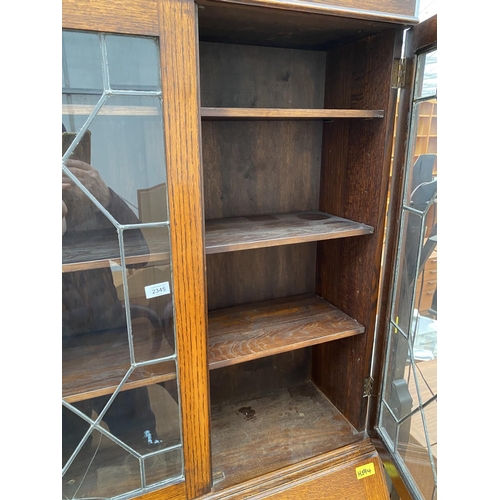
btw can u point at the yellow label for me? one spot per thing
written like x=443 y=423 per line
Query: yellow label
x=365 y=470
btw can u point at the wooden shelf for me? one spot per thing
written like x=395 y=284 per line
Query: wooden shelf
x=94 y=364
x=208 y=113
x=242 y=333
x=244 y=233
x=83 y=250
x=255 y=436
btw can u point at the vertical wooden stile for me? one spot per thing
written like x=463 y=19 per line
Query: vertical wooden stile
x=179 y=67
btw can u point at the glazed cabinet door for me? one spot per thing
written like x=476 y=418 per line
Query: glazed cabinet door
x=134 y=367
x=407 y=415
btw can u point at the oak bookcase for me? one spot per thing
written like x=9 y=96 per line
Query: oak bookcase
x=278 y=119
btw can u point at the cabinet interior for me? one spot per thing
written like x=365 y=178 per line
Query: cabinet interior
x=295 y=146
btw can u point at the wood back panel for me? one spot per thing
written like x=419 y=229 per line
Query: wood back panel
x=260 y=376
x=247 y=76
x=260 y=167
x=354 y=185
x=254 y=275
x=254 y=168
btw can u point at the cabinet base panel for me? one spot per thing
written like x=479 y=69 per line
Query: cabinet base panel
x=256 y=436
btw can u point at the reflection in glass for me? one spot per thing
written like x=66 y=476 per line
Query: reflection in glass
x=149 y=287
x=168 y=464
x=76 y=108
x=127 y=151
x=426 y=82
x=119 y=361
x=102 y=469
x=424 y=144
x=416 y=454
x=133 y=63
x=407 y=419
x=81 y=62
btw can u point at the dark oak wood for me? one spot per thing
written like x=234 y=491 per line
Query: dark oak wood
x=281 y=114
x=242 y=177
x=179 y=76
x=393 y=10
x=272 y=144
x=317 y=477
x=308 y=25
x=243 y=333
x=94 y=364
x=243 y=233
x=237 y=278
x=272 y=372
x=251 y=437
x=249 y=76
x=354 y=183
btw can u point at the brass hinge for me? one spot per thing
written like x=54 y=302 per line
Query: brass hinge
x=399 y=73
x=368 y=387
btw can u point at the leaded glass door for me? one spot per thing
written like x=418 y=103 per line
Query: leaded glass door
x=407 y=417
x=121 y=412
x=135 y=374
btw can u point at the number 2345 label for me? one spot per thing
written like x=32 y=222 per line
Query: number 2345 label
x=157 y=289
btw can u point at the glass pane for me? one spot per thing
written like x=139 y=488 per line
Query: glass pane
x=127 y=156
x=423 y=155
x=81 y=62
x=117 y=314
x=102 y=469
x=133 y=63
x=149 y=290
x=168 y=464
x=426 y=83
x=406 y=277
x=415 y=453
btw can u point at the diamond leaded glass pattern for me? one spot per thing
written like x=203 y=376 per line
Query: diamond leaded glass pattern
x=121 y=415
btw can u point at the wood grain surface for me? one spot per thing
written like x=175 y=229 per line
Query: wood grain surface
x=116 y=16
x=174 y=492
x=292 y=24
x=245 y=380
x=243 y=333
x=286 y=113
x=323 y=477
x=179 y=76
x=274 y=27
x=251 y=437
x=237 y=278
x=243 y=233
x=354 y=182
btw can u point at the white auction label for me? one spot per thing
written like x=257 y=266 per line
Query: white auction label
x=157 y=290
